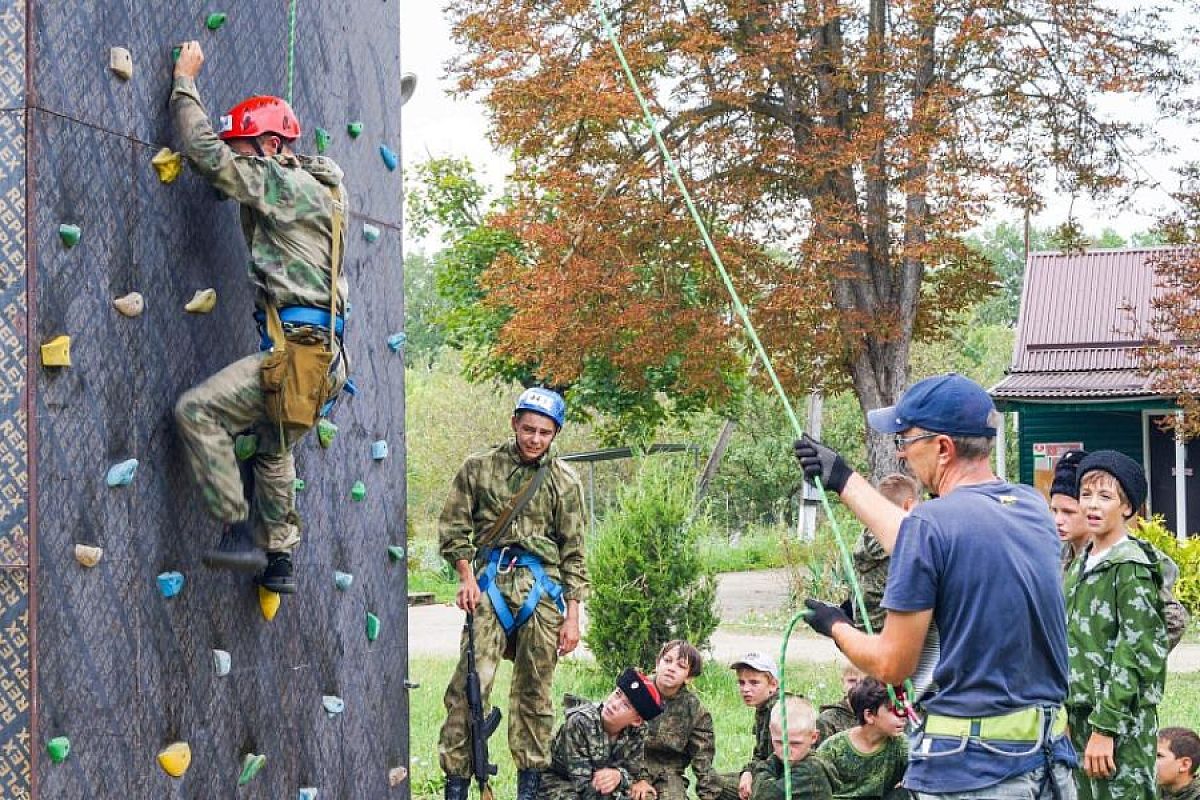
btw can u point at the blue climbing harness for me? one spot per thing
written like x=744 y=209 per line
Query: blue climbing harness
x=300 y=316
x=504 y=560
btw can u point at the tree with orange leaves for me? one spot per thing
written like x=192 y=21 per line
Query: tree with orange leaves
x=838 y=150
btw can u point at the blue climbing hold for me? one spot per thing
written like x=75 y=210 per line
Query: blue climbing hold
x=370 y=232
x=334 y=705
x=308 y=793
x=342 y=580
x=170 y=583
x=396 y=342
x=389 y=158
x=379 y=449
x=121 y=474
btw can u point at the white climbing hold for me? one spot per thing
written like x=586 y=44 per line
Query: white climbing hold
x=131 y=305
x=222 y=662
x=396 y=776
x=87 y=555
x=334 y=705
x=202 y=302
x=120 y=61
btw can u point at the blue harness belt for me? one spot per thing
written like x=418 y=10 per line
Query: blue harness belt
x=298 y=315
x=505 y=559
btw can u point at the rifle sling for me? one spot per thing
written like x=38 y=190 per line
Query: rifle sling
x=514 y=507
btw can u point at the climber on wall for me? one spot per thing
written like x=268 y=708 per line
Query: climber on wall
x=292 y=216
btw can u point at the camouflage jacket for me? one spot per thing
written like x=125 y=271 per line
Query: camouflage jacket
x=853 y=774
x=1116 y=636
x=871 y=568
x=835 y=718
x=581 y=747
x=1189 y=792
x=550 y=526
x=286 y=204
x=680 y=737
x=807 y=776
x=762 y=735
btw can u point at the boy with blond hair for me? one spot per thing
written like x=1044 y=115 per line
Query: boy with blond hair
x=791 y=756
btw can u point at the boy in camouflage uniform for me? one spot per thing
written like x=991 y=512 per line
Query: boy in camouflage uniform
x=758 y=684
x=869 y=759
x=287 y=212
x=598 y=750
x=536 y=557
x=839 y=716
x=871 y=560
x=1176 y=763
x=1116 y=637
x=680 y=737
x=804 y=771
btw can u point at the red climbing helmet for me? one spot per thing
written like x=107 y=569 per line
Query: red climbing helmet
x=255 y=116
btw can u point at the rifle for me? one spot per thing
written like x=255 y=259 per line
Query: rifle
x=481 y=727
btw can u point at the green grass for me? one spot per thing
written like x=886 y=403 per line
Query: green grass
x=757 y=548
x=443 y=586
x=731 y=720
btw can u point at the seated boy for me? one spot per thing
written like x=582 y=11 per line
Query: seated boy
x=758 y=684
x=598 y=750
x=869 y=759
x=682 y=736
x=838 y=717
x=1175 y=767
x=806 y=774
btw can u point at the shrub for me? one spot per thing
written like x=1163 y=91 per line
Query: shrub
x=1185 y=554
x=649 y=581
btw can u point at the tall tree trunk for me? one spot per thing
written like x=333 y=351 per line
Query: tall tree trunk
x=880 y=374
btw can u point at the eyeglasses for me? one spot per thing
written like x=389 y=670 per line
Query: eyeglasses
x=902 y=442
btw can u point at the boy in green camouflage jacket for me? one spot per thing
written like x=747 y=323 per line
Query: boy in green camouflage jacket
x=758 y=684
x=1176 y=763
x=804 y=771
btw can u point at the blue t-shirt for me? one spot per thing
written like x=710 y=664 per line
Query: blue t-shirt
x=985 y=558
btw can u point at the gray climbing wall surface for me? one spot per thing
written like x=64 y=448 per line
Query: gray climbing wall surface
x=98 y=654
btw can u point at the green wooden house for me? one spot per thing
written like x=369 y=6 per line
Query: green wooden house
x=1074 y=379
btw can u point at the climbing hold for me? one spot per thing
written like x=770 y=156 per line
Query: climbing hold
x=131 y=305
x=175 y=51
x=87 y=555
x=308 y=793
x=121 y=474
x=358 y=492
x=342 y=580
x=222 y=662
x=58 y=748
x=175 y=759
x=326 y=430
x=379 y=449
x=214 y=21
x=395 y=553
x=354 y=129
x=396 y=776
x=120 y=61
x=251 y=764
x=389 y=158
x=268 y=603
x=69 y=234
x=408 y=86
x=245 y=446
x=370 y=232
x=322 y=137
x=202 y=301
x=372 y=627
x=396 y=342
x=168 y=164
x=298 y=485
x=170 y=583
x=57 y=352
x=334 y=705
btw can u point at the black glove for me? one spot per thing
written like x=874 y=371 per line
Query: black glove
x=818 y=461
x=822 y=616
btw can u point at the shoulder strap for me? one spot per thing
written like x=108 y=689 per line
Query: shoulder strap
x=339 y=210
x=515 y=506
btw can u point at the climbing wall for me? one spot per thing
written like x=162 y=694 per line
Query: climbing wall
x=98 y=656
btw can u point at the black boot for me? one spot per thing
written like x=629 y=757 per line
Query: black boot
x=528 y=781
x=236 y=550
x=277 y=577
x=456 y=788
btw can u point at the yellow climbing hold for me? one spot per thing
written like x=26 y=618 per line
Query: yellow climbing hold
x=202 y=302
x=168 y=164
x=268 y=601
x=87 y=555
x=120 y=61
x=57 y=352
x=175 y=759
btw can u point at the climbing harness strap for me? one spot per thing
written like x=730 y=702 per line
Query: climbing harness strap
x=300 y=316
x=503 y=560
x=1025 y=725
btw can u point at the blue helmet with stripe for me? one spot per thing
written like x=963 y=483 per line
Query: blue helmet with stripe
x=543 y=401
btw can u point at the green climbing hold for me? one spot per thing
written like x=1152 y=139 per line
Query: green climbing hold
x=358 y=492
x=58 y=748
x=245 y=446
x=322 y=137
x=69 y=234
x=326 y=430
x=251 y=764
x=396 y=553
x=215 y=21
x=372 y=627
x=355 y=129
x=298 y=484
x=175 y=51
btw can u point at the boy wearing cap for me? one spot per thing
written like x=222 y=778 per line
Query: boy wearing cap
x=758 y=684
x=795 y=748
x=598 y=750
x=1117 y=636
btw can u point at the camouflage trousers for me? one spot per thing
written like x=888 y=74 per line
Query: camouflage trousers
x=671 y=785
x=530 y=709
x=1133 y=752
x=729 y=785
x=556 y=787
x=209 y=417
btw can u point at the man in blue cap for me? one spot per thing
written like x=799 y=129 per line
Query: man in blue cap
x=980 y=560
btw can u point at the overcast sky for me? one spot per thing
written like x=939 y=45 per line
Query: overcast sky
x=433 y=123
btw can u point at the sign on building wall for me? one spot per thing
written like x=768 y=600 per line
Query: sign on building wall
x=1045 y=456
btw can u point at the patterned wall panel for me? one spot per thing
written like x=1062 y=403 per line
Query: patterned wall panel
x=12 y=54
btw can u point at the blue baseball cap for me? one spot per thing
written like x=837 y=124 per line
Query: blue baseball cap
x=949 y=404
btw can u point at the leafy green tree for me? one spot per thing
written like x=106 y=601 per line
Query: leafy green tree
x=424 y=309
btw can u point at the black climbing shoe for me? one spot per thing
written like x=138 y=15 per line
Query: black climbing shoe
x=528 y=781
x=236 y=550
x=277 y=577
x=457 y=788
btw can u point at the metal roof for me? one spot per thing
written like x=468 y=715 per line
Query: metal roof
x=1098 y=383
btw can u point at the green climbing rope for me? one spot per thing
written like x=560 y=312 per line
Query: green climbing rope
x=291 y=57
